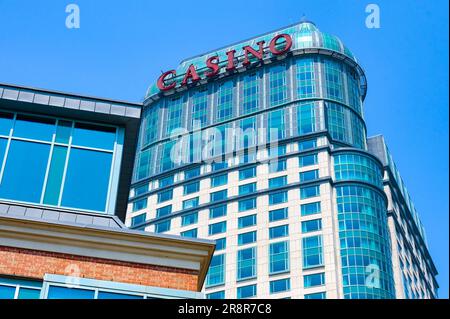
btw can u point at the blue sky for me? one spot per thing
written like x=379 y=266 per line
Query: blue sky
x=121 y=48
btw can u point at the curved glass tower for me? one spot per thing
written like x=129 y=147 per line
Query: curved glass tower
x=270 y=159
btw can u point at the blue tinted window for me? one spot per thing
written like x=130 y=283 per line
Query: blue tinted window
x=247 y=221
x=139 y=219
x=163 y=211
x=191 y=173
x=26 y=289
x=277 y=181
x=278 y=198
x=278 y=257
x=56 y=292
x=23 y=177
x=278 y=214
x=247 y=189
x=166 y=181
x=189 y=219
x=217 y=196
x=318 y=295
x=55 y=175
x=3 y=143
x=280 y=285
x=191 y=188
x=165 y=196
x=87 y=179
x=218 y=166
x=247 y=204
x=306 y=145
x=141 y=190
x=139 y=204
x=219 y=180
x=63 y=131
x=312 y=251
x=221 y=243
x=246 y=263
x=278 y=231
x=162 y=226
x=309 y=175
x=94 y=136
x=247 y=238
x=216 y=272
x=277 y=166
x=314 y=280
x=246 y=291
x=247 y=173
x=216 y=295
x=218 y=211
x=37 y=128
x=307 y=160
x=310 y=191
x=6 y=121
x=114 y=295
x=311 y=225
x=190 y=203
x=192 y=233
x=310 y=209
x=7 y=292
x=217 y=228
x=27 y=293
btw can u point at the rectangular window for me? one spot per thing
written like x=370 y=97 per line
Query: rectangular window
x=216 y=295
x=216 y=272
x=276 y=125
x=218 y=196
x=162 y=226
x=192 y=233
x=12 y=288
x=175 y=108
x=191 y=188
x=278 y=198
x=250 y=93
x=311 y=225
x=277 y=85
x=192 y=173
x=246 y=291
x=247 y=204
x=317 y=295
x=189 y=219
x=141 y=190
x=200 y=109
x=310 y=209
x=247 y=173
x=277 y=182
x=310 y=191
x=139 y=219
x=307 y=145
x=247 y=189
x=217 y=228
x=278 y=231
x=314 y=280
x=166 y=181
x=218 y=211
x=309 y=175
x=278 y=214
x=246 y=238
x=306 y=87
x=139 y=204
x=221 y=244
x=312 y=251
x=280 y=285
x=278 y=257
x=276 y=166
x=164 y=211
x=224 y=101
x=247 y=221
x=246 y=263
x=190 y=203
x=217 y=166
x=165 y=196
x=307 y=160
x=219 y=180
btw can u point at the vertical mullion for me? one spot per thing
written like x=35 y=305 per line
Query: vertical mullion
x=49 y=161
x=66 y=164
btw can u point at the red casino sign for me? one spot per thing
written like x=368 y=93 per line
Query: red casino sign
x=212 y=63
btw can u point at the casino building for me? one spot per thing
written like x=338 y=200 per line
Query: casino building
x=261 y=146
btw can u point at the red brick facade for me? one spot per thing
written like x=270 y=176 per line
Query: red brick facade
x=34 y=264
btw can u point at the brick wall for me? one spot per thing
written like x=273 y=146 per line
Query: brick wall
x=34 y=264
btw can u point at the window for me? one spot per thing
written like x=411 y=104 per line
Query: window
x=311 y=225
x=218 y=211
x=192 y=173
x=247 y=173
x=307 y=160
x=276 y=151
x=224 y=101
x=191 y=188
x=280 y=285
x=141 y=190
x=307 y=144
x=278 y=198
x=310 y=191
x=216 y=295
x=309 y=175
x=57 y=292
x=247 y=238
x=219 y=180
x=216 y=272
x=246 y=291
x=277 y=85
x=165 y=196
x=218 y=196
x=189 y=219
x=278 y=231
x=217 y=228
x=175 y=108
x=246 y=263
x=278 y=257
x=139 y=219
x=308 y=114
x=200 y=109
x=250 y=93
x=306 y=87
x=189 y=233
x=277 y=182
x=221 y=244
x=247 y=204
x=333 y=78
x=312 y=251
x=278 y=214
x=276 y=166
x=216 y=166
x=317 y=295
x=190 y=203
x=247 y=188
x=139 y=204
x=164 y=211
x=248 y=134
x=12 y=288
x=310 y=209
x=162 y=226
x=314 y=280
x=276 y=125
x=166 y=181
x=247 y=221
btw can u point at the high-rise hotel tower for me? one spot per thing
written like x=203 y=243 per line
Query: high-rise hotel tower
x=261 y=146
